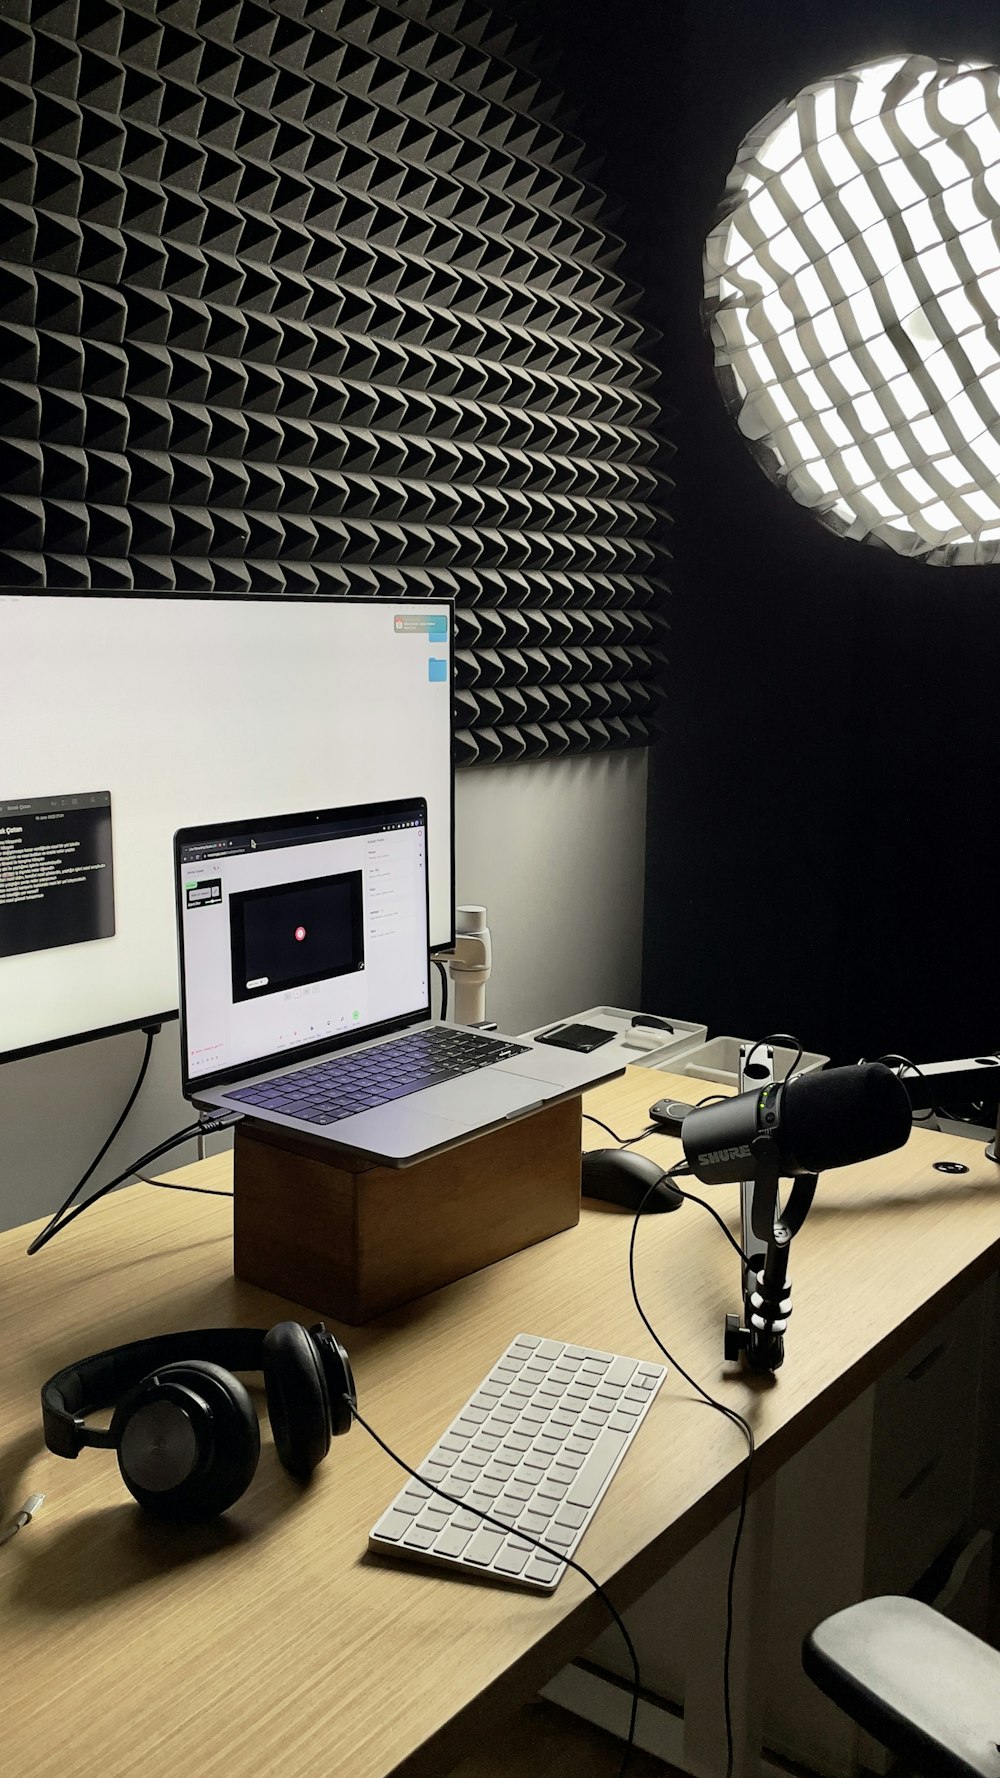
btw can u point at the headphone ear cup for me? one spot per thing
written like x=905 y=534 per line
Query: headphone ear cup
x=298 y=1405
x=341 y=1392
x=187 y=1440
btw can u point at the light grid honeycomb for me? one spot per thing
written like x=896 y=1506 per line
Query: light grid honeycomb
x=852 y=296
x=313 y=296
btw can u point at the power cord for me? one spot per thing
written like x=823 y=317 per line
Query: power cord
x=204 y=1126
x=149 y=1031
x=443 y=973
x=171 y=1185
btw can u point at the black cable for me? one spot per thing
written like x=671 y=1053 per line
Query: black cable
x=170 y=1185
x=745 y=1428
x=150 y=1033
x=53 y=1227
x=622 y=1141
x=673 y=1173
x=442 y=971
x=650 y=1130
x=508 y=1531
x=591 y=1119
x=935 y=1111
x=724 y=1226
x=653 y=1130
x=904 y=1062
x=777 y=1037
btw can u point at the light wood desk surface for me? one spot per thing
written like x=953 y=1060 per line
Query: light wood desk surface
x=270 y=1642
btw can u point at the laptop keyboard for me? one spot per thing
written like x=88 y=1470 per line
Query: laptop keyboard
x=345 y=1085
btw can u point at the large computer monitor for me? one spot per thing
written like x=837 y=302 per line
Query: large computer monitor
x=124 y=717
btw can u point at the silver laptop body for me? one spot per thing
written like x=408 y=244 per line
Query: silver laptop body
x=303 y=951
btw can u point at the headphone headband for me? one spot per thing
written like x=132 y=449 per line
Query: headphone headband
x=100 y=1381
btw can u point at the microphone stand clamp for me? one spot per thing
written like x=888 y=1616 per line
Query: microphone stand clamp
x=767 y=1290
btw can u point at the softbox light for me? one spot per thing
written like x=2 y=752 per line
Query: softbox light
x=852 y=296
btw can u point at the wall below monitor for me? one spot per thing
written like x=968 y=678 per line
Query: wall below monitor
x=556 y=851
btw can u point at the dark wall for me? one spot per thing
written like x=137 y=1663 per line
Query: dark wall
x=823 y=851
x=308 y=297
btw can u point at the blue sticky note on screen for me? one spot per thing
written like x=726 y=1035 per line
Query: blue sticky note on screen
x=437 y=670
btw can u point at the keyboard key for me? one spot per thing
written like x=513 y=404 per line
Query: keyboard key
x=393 y=1524
x=573 y=1516
x=511 y=1559
x=484 y=1545
x=560 y=1535
x=419 y=1538
x=452 y=1541
x=543 y=1568
x=597 y=1469
x=533 y=1522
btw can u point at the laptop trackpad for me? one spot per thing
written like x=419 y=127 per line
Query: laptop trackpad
x=482 y=1098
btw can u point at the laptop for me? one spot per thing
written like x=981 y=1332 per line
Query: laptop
x=305 y=990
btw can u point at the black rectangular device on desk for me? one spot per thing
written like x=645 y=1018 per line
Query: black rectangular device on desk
x=581 y=1038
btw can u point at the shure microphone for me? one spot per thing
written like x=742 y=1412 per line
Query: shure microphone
x=805 y=1125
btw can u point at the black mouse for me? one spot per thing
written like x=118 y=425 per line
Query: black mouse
x=617 y=1176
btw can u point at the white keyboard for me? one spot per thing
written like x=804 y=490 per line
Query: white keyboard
x=535 y=1446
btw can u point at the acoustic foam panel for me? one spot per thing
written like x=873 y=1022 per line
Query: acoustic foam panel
x=314 y=296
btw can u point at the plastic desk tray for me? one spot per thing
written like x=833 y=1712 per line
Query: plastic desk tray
x=719 y=1060
x=657 y=1047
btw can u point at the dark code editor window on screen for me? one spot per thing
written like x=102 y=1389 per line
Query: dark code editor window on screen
x=56 y=875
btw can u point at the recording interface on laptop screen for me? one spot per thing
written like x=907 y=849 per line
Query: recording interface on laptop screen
x=301 y=933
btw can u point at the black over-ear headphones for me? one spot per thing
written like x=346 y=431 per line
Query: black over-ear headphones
x=184 y=1427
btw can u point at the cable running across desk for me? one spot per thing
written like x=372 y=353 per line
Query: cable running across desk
x=680 y=1170
x=399 y=1530
x=737 y=1420
x=537 y=1444
x=500 y=1525
x=54 y=1220
x=203 y=1126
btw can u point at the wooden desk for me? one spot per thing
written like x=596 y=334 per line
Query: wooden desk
x=271 y=1642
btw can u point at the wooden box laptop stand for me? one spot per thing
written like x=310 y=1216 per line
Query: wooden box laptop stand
x=350 y=1238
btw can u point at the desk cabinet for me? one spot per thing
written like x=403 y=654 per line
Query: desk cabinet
x=900 y=1481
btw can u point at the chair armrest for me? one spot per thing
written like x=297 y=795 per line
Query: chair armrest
x=923 y=1686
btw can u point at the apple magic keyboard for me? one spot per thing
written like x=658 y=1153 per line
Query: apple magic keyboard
x=535 y=1446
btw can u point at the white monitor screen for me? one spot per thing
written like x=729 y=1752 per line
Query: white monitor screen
x=126 y=717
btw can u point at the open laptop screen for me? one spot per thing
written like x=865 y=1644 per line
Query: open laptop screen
x=300 y=933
